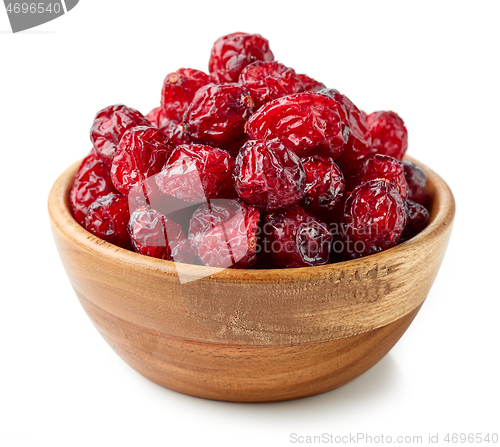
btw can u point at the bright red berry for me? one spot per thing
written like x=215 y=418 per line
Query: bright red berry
x=310 y=84
x=417 y=182
x=389 y=134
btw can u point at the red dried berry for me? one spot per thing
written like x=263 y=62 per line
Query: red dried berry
x=374 y=218
x=218 y=113
x=384 y=167
x=270 y=80
x=155 y=235
x=179 y=89
x=141 y=154
x=304 y=122
x=295 y=238
x=324 y=186
x=223 y=233
x=109 y=126
x=232 y=53
x=175 y=133
x=92 y=181
x=196 y=172
x=417 y=182
x=108 y=218
x=310 y=84
x=157 y=118
x=389 y=134
x=417 y=218
x=268 y=175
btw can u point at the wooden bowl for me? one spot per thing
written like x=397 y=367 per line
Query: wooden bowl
x=250 y=335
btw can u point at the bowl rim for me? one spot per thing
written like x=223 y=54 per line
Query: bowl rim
x=441 y=217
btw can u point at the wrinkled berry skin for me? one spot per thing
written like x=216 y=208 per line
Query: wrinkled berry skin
x=384 y=167
x=417 y=182
x=196 y=172
x=270 y=80
x=268 y=175
x=93 y=180
x=173 y=130
x=178 y=91
x=153 y=234
x=232 y=53
x=295 y=238
x=109 y=126
x=324 y=186
x=141 y=154
x=107 y=218
x=223 y=233
x=310 y=84
x=417 y=218
x=157 y=118
x=374 y=218
x=218 y=113
x=305 y=123
x=389 y=134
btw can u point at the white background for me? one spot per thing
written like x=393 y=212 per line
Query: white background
x=435 y=63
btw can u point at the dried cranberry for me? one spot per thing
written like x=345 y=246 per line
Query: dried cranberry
x=296 y=238
x=179 y=89
x=223 y=233
x=389 y=134
x=374 y=218
x=141 y=153
x=109 y=126
x=417 y=182
x=304 y=122
x=324 y=185
x=387 y=168
x=417 y=218
x=175 y=133
x=196 y=172
x=218 y=113
x=108 y=218
x=268 y=175
x=157 y=118
x=155 y=235
x=232 y=53
x=92 y=181
x=310 y=84
x=270 y=80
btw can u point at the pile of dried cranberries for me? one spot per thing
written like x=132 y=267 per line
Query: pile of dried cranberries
x=253 y=165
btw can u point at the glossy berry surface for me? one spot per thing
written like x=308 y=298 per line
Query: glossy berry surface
x=384 y=167
x=310 y=84
x=109 y=126
x=157 y=118
x=218 y=113
x=141 y=154
x=107 y=218
x=93 y=180
x=268 y=175
x=304 y=122
x=270 y=80
x=233 y=52
x=374 y=218
x=417 y=218
x=196 y=172
x=153 y=234
x=178 y=91
x=223 y=233
x=389 y=134
x=295 y=238
x=417 y=182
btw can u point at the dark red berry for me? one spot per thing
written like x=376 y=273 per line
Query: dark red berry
x=155 y=235
x=93 y=180
x=218 y=113
x=324 y=186
x=417 y=218
x=295 y=238
x=417 y=182
x=175 y=133
x=268 y=175
x=304 y=122
x=374 y=218
x=109 y=126
x=232 y=53
x=270 y=80
x=108 y=218
x=310 y=84
x=178 y=91
x=141 y=154
x=223 y=233
x=389 y=134
x=196 y=172
x=384 y=167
